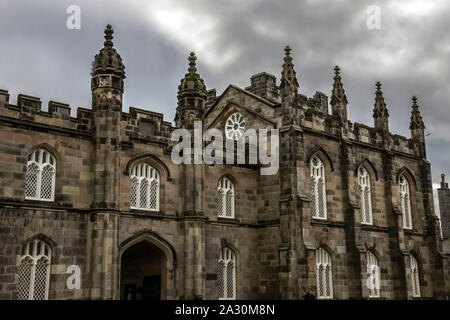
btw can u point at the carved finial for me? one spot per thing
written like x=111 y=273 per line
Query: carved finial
x=338 y=93
x=191 y=96
x=192 y=66
x=109 y=36
x=288 y=73
x=108 y=60
x=337 y=71
x=192 y=79
x=287 y=51
x=378 y=85
x=380 y=112
x=380 y=106
x=416 y=118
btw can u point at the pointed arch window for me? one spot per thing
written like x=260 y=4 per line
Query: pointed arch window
x=34 y=271
x=225 y=198
x=365 y=196
x=415 y=277
x=405 y=201
x=40 y=177
x=226 y=275
x=318 y=189
x=144 y=188
x=373 y=275
x=324 y=274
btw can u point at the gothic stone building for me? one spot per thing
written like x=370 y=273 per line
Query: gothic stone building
x=349 y=213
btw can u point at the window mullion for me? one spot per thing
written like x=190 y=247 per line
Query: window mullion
x=149 y=192
x=32 y=279
x=225 y=280
x=38 y=182
x=47 y=280
x=138 y=193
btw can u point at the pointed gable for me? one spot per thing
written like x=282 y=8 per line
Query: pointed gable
x=247 y=101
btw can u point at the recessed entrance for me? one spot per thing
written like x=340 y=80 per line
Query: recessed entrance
x=143 y=272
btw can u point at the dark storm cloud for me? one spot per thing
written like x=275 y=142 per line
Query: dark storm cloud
x=233 y=40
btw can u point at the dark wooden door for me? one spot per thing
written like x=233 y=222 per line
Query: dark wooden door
x=151 y=289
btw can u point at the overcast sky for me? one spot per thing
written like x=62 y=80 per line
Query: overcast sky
x=234 y=39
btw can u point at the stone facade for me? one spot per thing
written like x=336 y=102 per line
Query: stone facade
x=90 y=223
x=444 y=209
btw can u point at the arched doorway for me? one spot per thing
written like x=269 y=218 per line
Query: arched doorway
x=143 y=272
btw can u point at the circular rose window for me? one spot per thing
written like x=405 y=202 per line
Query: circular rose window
x=235 y=126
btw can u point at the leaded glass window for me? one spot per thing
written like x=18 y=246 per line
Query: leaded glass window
x=34 y=271
x=40 y=176
x=144 y=188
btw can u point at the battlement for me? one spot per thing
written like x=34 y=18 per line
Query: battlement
x=315 y=117
x=146 y=125
x=58 y=115
x=137 y=123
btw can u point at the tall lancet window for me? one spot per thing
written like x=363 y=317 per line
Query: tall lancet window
x=373 y=275
x=226 y=274
x=144 y=188
x=40 y=177
x=225 y=198
x=34 y=271
x=415 y=277
x=324 y=274
x=365 y=196
x=405 y=201
x=318 y=192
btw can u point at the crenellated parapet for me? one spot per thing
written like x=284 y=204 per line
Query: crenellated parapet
x=145 y=126
x=137 y=124
x=57 y=116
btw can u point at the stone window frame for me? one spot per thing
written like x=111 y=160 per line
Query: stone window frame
x=404 y=187
x=164 y=175
x=227 y=256
x=318 y=177
x=149 y=175
x=41 y=164
x=365 y=195
x=34 y=257
x=415 y=276
x=328 y=164
x=323 y=259
x=226 y=185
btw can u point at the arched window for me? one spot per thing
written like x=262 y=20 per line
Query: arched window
x=415 y=277
x=318 y=193
x=365 y=196
x=373 y=275
x=144 y=188
x=225 y=198
x=324 y=274
x=40 y=177
x=226 y=274
x=34 y=271
x=405 y=201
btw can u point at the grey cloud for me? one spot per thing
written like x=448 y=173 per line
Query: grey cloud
x=410 y=54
